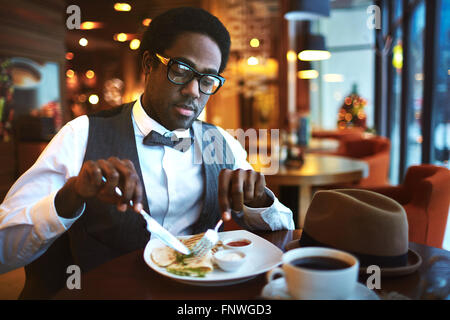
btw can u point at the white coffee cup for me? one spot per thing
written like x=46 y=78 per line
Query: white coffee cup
x=307 y=283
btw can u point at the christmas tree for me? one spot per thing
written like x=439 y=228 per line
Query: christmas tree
x=352 y=114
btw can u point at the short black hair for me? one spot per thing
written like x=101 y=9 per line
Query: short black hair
x=165 y=28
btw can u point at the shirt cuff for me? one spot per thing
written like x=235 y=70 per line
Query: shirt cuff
x=258 y=218
x=67 y=223
x=45 y=219
x=251 y=210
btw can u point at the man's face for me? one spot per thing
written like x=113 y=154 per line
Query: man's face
x=177 y=106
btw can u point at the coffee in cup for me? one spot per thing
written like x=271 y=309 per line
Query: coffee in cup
x=316 y=273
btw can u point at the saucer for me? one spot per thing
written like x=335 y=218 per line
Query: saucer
x=277 y=290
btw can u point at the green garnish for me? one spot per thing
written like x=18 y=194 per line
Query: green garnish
x=193 y=272
x=181 y=257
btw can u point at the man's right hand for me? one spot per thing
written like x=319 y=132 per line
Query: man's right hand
x=89 y=184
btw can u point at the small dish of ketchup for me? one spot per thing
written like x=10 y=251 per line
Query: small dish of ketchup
x=241 y=244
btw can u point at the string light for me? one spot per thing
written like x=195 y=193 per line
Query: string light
x=83 y=42
x=89 y=25
x=291 y=56
x=93 y=99
x=134 y=44
x=90 y=74
x=122 y=6
x=121 y=37
x=69 y=55
x=254 y=43
x=252 y=61
x=70 y=73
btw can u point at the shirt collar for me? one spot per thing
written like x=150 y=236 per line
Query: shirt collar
x=146 y=124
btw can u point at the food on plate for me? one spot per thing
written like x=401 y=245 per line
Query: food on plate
x=163 y=257
x=185 y=265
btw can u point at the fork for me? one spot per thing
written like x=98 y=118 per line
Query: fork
x=207 y=242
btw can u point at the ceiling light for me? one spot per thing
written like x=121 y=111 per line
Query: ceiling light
x=305 y=71
x=307 y=74
x=333 y=77
x=314 y=48
x=307 y=9
x=146 y=22
x=314 y=55
x=122 y=6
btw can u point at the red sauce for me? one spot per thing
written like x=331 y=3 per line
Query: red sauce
x=240 y=243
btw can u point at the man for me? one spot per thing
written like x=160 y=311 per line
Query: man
x=150 y=150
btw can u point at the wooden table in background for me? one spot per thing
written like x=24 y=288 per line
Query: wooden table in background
x=129 y=277
x=322 y=145
x=317 y=170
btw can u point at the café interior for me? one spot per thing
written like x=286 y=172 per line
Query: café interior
x=329 y=94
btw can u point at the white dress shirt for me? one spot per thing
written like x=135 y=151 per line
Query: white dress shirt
x=173 y=182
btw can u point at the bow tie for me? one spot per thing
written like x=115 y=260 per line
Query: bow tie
x=156 y=139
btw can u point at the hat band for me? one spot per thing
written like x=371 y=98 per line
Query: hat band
x=365 y=260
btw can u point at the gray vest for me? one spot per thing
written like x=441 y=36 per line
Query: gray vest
x=103 y=233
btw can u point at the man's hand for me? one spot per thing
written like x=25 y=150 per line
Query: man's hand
x=89 y=184
x=239 y=187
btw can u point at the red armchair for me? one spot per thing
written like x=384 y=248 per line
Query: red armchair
x=425 y=195
x=338 y=134
x=375 y=151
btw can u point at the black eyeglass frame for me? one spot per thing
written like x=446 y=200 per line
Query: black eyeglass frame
x=168 y=62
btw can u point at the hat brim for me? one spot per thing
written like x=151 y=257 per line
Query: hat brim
x=414 y=262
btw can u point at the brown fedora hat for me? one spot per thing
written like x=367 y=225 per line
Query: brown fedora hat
x=364 y=223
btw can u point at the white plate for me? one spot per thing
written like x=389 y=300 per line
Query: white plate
x=263 y=257
x=277 y=290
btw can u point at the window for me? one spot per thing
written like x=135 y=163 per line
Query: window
x=395 y=68
x=418 y=77
x=350 y=43
x=415 y=76
x=441 y=127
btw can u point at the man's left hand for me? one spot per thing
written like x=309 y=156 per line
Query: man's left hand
x=239 y=187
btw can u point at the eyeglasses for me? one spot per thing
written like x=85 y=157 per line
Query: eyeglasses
x=181 y=73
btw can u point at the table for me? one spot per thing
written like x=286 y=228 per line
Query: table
x=322 y=145
x=317 y=170
x=128 y=277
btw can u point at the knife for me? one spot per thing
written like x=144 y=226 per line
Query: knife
x=155 y=228
x=165 y=236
